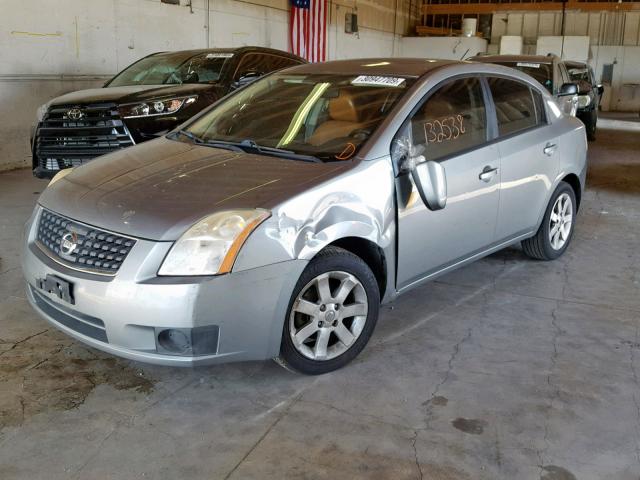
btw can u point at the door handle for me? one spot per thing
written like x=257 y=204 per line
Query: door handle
x=549 y=149
x=487 y=173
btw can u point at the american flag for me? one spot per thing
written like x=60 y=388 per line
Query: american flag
x=308 y=29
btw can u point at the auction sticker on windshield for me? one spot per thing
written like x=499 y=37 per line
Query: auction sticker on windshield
x=219 y=55
x=377 y=81
x=530 y=65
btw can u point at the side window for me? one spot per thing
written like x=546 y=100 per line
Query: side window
x=515 y=108
x=453 y=119
x=251 y=62
x=279 y=63
x=538 y=101
x=262 y=63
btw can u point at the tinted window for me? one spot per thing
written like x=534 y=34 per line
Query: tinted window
x=262 y=63
x=542 y=72
x=451 y=120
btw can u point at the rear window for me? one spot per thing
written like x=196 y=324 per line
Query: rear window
x=542 y=72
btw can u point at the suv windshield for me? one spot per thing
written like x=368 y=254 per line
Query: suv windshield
x=325 y=116
x=542 y=72
x=173 y=68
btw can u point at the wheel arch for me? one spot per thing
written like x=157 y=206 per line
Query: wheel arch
x=573 y=180
x=370 y=253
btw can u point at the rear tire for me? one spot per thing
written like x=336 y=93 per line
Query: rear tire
x=332 y=313
x=556 y=231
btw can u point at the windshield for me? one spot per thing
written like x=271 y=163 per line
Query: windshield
x=173 y=68
x=325 y=116
x=542 y=72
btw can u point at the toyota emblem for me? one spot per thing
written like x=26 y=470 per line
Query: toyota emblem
x=68 y=243
x=75 y=114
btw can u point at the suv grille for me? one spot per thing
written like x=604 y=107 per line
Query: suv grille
x=69 y=135
x=95 y=250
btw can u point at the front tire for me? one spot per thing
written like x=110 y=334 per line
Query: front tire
x=332 y=313
x=556 y=231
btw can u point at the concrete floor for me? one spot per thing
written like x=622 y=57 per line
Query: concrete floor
x=508 y=368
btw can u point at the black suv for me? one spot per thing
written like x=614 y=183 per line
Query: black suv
x=589 y=95
x=145 y=100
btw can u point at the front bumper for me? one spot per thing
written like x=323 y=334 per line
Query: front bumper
x=124 y=314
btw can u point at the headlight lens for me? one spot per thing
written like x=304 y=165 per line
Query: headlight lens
x=41 y=111
x=155 y=107
x=584 y=101
x=210 y=246
x=60 y=175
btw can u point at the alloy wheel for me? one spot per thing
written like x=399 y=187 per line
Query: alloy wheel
x=560 y=221
x=328 y=315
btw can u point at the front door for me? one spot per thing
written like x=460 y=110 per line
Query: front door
x=450 y=128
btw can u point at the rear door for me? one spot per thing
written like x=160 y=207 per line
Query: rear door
x=528 y=155
x=451 y=128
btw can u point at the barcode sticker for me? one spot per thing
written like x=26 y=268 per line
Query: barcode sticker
x=530 y=65
x=377 y=81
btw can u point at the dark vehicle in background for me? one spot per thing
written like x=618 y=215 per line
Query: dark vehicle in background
x=589 y=95
x=144 y=101
x=549 y=70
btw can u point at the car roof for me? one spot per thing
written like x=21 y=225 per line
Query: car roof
x=514 y=58
x=236 y=50
x=405 y=67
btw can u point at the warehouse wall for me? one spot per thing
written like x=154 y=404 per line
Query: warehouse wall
x=49 y=48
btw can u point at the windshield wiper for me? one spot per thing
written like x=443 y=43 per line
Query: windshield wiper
x=250 y=146
x=209 y=143
x=189 y=135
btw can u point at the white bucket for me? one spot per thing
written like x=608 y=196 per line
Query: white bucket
x=469 y=26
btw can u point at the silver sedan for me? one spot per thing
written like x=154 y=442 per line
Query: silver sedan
x=274 y=224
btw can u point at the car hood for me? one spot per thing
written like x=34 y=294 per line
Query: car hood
x=158 y=189
x=129 y=94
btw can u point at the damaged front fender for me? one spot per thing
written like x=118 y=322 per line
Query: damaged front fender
x=358 y=203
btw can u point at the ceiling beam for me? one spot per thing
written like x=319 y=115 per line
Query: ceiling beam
x=494 y=7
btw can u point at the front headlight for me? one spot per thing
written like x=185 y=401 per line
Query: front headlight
x=210 y=246
x=60 y=175
x=153 y=108
x=584 y=101
x=41 y=111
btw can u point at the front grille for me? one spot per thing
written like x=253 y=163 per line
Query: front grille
x=95 y=250
x=63 y=141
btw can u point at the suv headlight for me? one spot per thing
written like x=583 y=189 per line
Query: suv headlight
x=210 y=246
x=584 y=101
x=153 y=108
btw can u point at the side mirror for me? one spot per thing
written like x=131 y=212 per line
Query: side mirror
x=600 y=89
x=568 y=89
x=431 y=181
x=245 y=79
